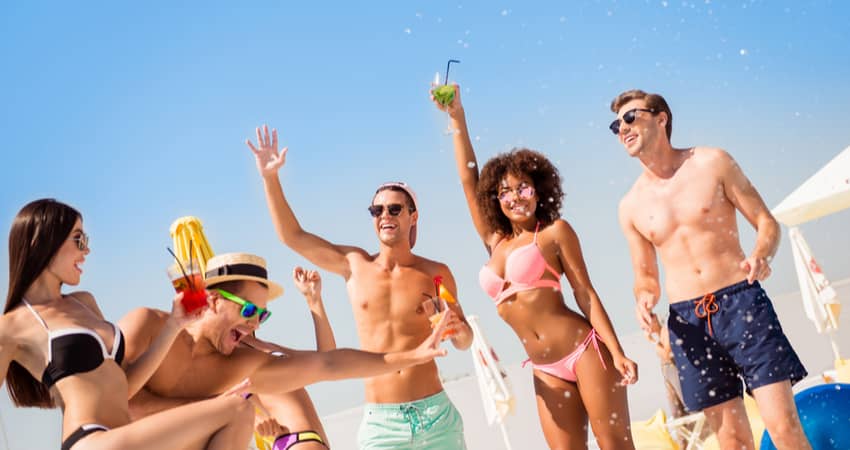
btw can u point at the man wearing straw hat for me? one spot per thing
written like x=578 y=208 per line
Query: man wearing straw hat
x=408 y=408
x=722 y=325
x=206 y=358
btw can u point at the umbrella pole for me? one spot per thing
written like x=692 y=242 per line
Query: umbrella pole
x=505 y=435
x=835 y=351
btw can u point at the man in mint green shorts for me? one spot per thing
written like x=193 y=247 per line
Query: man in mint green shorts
x=406 y=409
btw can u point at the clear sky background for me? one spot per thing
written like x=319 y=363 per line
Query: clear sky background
x=136 y=114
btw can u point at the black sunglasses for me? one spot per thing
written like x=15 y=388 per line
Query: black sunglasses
x=393 y=209
x=629 y=118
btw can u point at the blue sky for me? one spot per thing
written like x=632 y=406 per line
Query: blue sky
x=137 y=114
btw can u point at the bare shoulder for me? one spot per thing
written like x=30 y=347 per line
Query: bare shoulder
x=148 y=316
x=352 y=251
x=86 y=298
x=559 y=227
x=712 y=155
x=7 y=327
x=143 y=321
x=431 y=266
x=559 y=232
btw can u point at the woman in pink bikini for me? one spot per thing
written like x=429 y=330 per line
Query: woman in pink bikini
x=515 y=207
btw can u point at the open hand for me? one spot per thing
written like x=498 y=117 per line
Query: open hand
x=430 y=347
x=269 y=161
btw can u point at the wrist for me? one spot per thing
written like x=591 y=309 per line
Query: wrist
x=271 y=178
x=458 y=114
x=172 y=325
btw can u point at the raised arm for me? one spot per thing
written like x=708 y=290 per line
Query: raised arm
x=587 y=299
x=647 y=289
x=309 y=283
x=746 y=199
x=148 y=339
x=467 y=165
x=320 y=252
x=277 y=375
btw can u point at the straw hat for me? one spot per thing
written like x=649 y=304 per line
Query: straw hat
x=240 y=266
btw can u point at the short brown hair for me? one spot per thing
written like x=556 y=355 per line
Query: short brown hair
x=653 y=101
x=520 y=162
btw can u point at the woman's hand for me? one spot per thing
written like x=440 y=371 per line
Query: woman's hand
x=453 y=108
x=627 y=368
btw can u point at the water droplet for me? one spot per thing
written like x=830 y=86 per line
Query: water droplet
x=743 y=52
x=407 y=31
x=567 y=394
x=711 y=393
x=471 y=164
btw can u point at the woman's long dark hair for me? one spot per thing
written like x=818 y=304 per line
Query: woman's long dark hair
x=38 y=231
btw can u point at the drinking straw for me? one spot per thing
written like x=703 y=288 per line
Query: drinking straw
x=191 y=280
x=448 y=64
x=178 y=263
x=438 y=280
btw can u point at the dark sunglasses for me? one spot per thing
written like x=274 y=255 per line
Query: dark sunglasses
x=393 y=209
x=629 y=117
x=82 y=241
x=249 y=309
x=522 y=191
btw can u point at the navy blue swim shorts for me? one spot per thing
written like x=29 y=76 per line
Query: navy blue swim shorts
x=726 y=337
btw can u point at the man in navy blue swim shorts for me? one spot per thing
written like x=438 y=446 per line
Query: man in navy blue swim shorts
x=724 y=333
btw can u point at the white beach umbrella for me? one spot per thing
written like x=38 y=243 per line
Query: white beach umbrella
x=819 y=298
x=496 y=392
x=825 y=192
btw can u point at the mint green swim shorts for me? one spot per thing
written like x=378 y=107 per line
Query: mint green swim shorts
x=432 y=423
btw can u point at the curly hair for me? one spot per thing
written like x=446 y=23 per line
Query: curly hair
x=520 y=162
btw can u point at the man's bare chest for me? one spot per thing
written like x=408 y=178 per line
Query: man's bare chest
x=182 y=375
x=660 y=210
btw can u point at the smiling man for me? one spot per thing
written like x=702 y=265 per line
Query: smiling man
x=207 y=360
x=723 y=329
x=406 y=409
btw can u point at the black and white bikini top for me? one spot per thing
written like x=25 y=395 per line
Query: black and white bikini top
x=76 y=350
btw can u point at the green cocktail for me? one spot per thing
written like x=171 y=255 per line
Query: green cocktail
x=444 y=94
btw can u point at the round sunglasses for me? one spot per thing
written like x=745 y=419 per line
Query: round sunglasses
x=523 y=191
x=629 y=117
x=249 y=309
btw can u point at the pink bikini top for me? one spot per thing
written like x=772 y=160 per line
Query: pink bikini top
x=524 y=269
